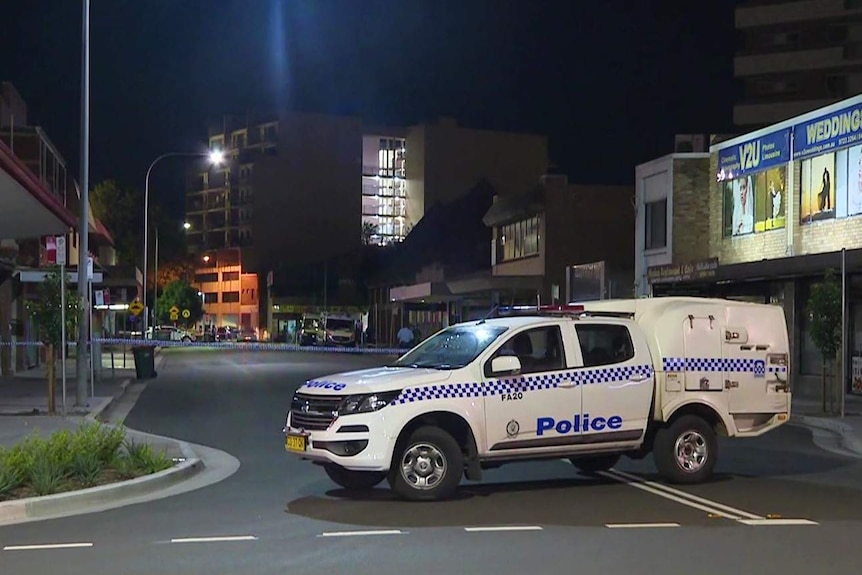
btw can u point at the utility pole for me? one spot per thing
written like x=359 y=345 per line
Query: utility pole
x=84 y=224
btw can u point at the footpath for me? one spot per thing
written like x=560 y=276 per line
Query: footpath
x=809 y=413
x=24 y=411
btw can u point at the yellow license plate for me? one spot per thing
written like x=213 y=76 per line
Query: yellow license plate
x=295 y=443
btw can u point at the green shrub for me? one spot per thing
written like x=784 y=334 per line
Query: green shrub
x=145 y=460
x=11 y=473
x=86 y=468
x=99 y=439
x=47 y=469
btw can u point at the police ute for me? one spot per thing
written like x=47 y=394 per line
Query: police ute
x=588 y=382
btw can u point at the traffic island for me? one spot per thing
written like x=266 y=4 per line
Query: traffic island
x=76 y=471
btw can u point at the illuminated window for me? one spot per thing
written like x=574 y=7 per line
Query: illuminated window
x=519 y=239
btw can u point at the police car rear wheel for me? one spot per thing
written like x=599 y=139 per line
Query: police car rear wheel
x=353 y=480
x=686 y=451
x=428 y=466
x=591 y=465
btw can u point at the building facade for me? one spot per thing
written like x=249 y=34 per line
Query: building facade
x=230 y=294
x=783 y=202
x=301 y=189
x=793 y=56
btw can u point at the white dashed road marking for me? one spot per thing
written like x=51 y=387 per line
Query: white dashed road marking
x=504 y=528
x=777 y=522
x=360 y=533
x=47 y=546
x=639 y=525
x=215 y=539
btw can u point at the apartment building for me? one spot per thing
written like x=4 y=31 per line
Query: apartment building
x=764 y=222
x=793 y=56
x=230 y=294
x=305 y=188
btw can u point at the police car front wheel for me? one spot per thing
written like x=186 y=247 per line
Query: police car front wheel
x=428 y=466
x=686 y=450
x=353 y=480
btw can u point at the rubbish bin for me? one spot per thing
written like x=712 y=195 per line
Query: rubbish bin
x=145 y=362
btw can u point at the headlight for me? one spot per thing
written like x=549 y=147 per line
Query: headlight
x=367 y=402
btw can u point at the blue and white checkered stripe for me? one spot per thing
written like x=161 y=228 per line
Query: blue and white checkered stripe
x=520 y=384
x=732 y=364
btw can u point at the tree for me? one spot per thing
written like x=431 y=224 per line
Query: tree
x=46 y=311
x=179 y=268
x=121 y=209
x=369 y=230
x=824 y=311
x=180 y=294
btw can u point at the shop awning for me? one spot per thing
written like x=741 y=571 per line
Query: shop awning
x=462 y=288
x=27 y=209
x=789 y=267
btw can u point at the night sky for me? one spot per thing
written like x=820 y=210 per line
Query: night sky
x=610 y=82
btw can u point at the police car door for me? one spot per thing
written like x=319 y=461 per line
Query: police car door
x=617 y=382
x=522 y=410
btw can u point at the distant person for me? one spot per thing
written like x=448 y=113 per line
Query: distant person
x=405 y=337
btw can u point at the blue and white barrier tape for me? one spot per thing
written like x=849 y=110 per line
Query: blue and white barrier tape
x=246 y=346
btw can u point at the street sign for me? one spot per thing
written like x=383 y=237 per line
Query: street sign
x=175 y=313
x=60 y=242
x=187 y=314
x=136 y=307
x=90 y=268
x=175 y=316
x=99 y=297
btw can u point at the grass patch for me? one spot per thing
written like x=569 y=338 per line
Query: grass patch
x=94 y=454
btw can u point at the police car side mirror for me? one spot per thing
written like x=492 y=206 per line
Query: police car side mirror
x=505 y=364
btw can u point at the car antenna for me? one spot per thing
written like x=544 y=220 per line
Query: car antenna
x=488 y=315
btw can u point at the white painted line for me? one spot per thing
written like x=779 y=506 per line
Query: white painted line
x=639 y=525
x=215 y=539
x=760 y=522
x=676 y=495
x=359 y=533
x=48 y=546
x=504 y=528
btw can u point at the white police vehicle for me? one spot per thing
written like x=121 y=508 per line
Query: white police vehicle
x=589 y=382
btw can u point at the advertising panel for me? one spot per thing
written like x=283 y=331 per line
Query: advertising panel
x=755 y=202
x=754 y=155
x=825 y=133
x=818 y=189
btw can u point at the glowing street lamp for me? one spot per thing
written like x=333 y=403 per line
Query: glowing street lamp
x=215 y=157
x=187 y=226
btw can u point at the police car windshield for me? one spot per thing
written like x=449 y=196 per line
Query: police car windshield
x=452 y=348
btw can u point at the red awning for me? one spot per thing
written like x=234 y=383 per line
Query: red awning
x=27 y=209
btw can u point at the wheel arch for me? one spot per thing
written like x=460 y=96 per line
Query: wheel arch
x=454 y=424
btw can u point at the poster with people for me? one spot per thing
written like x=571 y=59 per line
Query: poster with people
x=743 y=206
x=818 y=188
x=770 y=198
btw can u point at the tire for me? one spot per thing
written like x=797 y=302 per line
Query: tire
x=592 y=464
x=429 y=452
x=354 y=480
x=686 y=451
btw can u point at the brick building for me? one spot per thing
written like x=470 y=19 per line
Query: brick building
x=782 y=204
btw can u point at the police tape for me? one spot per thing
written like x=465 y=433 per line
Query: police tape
x=245 y=346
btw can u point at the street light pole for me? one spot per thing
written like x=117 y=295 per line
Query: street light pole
x=216 y=158
x=83 y=223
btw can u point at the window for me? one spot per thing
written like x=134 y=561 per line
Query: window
x=539 y=350
x=206 y=278
x=211 y=297
x=604 y=344
x=230 y=276
x=519 y=239
x=655 y=224
x=230 y=297
x=755 y=203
